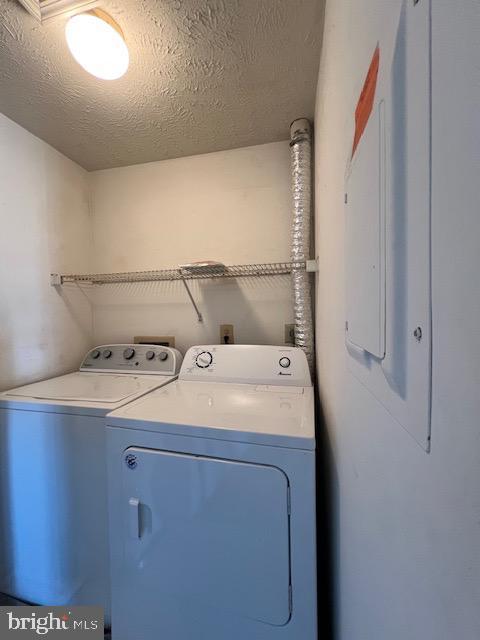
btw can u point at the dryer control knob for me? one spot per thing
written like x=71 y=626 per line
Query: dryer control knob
x=163 y=355
x=204 y=359
x=107 y=353
x=129 y=353
x=95 y=354
x=150 y=355
x=284 y=362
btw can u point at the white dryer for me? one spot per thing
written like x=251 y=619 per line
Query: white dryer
x=53 y=486
x=212 y=501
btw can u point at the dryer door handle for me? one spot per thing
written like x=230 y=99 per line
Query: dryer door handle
x=134 y=517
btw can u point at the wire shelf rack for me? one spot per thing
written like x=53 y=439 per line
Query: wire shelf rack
x=183 y=273
x=187 y=272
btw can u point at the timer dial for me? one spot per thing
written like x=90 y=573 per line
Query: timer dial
x=129 y=353
x=204 y=359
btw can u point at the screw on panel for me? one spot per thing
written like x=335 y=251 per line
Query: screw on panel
x=131 y=461
x=418 y=334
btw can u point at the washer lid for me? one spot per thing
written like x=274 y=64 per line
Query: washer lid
x=87 y=387
x=262 y=414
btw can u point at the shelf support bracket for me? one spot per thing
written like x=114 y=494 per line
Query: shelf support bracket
x=56 y=280
x=189 y=293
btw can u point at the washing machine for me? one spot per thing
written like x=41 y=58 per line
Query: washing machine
x=212 y=501
x=53 y=485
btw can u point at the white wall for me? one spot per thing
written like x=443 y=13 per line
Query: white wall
x=232 y=206
x=406 y=523
x=45 y=226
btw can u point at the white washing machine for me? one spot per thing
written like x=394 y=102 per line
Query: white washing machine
x=53 y=486
x=212 y=501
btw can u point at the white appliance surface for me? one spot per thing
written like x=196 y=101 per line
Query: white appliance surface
x=53 y=484
x=97 y=388
x=246 y=393
x=212 y=501
x=265 y=414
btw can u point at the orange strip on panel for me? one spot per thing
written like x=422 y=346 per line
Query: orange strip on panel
x=365 y=102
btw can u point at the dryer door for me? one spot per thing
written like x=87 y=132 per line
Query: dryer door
x=203 y=538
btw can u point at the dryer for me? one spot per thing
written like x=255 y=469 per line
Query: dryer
x=53 y=486
x=212 y=501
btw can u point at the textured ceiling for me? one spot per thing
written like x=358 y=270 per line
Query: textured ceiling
x=204 y=75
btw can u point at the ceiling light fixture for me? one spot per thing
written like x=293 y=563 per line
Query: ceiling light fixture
x=97 y=43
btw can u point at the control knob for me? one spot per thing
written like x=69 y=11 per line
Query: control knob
x=150 y=355
x=95 y=354
x=107 y=353
x=284 y=362
x=129 y=353
x=163 y=355
x=204 y=359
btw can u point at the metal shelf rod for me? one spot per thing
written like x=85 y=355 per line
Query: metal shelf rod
x=189 y=293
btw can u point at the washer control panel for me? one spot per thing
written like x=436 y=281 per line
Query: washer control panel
x=134 y=358
x=247 y=364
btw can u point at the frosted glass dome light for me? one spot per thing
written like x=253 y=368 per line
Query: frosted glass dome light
x=97 y=44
